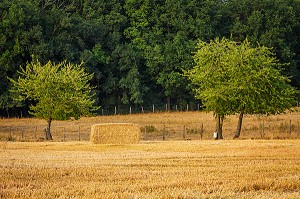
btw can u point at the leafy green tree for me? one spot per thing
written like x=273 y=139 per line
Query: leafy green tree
x=20 y=33
x=137 y=48
x=166 y=32
x=59 y=91
x=131 y=81
x=7 y=102
x=272 y=23
x=235 y=78
x=260 y=86
x=210 y=76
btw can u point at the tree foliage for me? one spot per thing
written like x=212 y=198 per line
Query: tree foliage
x=138 y=48
x=59 y=91
x=235 y=78
x=272 y=23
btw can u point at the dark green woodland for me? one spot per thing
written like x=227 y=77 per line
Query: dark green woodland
x=138 y=49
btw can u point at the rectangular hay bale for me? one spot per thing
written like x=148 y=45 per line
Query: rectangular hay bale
x=115 y=133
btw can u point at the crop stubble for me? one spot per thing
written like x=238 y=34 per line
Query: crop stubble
x=177 y=169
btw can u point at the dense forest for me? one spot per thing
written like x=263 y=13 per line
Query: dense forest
x=137 y=49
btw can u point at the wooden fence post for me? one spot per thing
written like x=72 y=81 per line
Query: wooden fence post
x=262 y=129
x=64 y=134
x=290 y=127
x=164 y=133
x=201 y=131
x=22 y=134
x=10 y=132
x=142 y=109
x=35 y=130
x=78 y=133
x=298 y=130
x=145 y=133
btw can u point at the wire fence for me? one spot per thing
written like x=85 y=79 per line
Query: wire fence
x=121 y=110
x=78 y=133
x=261 y=130
x=115 y=110
x=37 y=133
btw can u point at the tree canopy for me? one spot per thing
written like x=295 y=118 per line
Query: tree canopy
x=59 y=91
x=235 y=78
x=137 y=49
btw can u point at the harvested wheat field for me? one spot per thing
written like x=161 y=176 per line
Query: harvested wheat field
x=170 y=169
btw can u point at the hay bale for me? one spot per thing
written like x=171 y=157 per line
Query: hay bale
x=115 y=133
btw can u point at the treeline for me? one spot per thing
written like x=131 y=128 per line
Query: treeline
x=137 y=49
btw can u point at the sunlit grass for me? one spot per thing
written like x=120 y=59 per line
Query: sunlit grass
x=171 y=169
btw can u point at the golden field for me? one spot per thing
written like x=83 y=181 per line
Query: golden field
x=151 y=169
x=264 y=163
x=195 y=125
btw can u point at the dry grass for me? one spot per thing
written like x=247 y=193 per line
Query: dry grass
x=177 y=169
x=115 y=133
x=285 y=126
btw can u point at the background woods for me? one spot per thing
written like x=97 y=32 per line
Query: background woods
x=137 y=49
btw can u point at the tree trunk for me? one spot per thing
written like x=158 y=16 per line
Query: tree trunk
x=7 y=113
x=239 y=126
x=48 y=131
x=168 y=103
x=220 y=132
x=219 y=125
x=119 y=103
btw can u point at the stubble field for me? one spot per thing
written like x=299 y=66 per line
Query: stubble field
x=175 y=168
x=170 y=169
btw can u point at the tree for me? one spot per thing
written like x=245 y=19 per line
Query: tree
x=166 y=33
x=20 y=33
x=7 y=102
x=272 y=23
x=210 y=76
x=137 y=48
x=59 y=91
x=233 y=78
x=131 y=82
x=260 y=87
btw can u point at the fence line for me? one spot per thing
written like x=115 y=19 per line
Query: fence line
x=149 y=109
x=260 y=130
x=37 y=133
x=115 y=110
